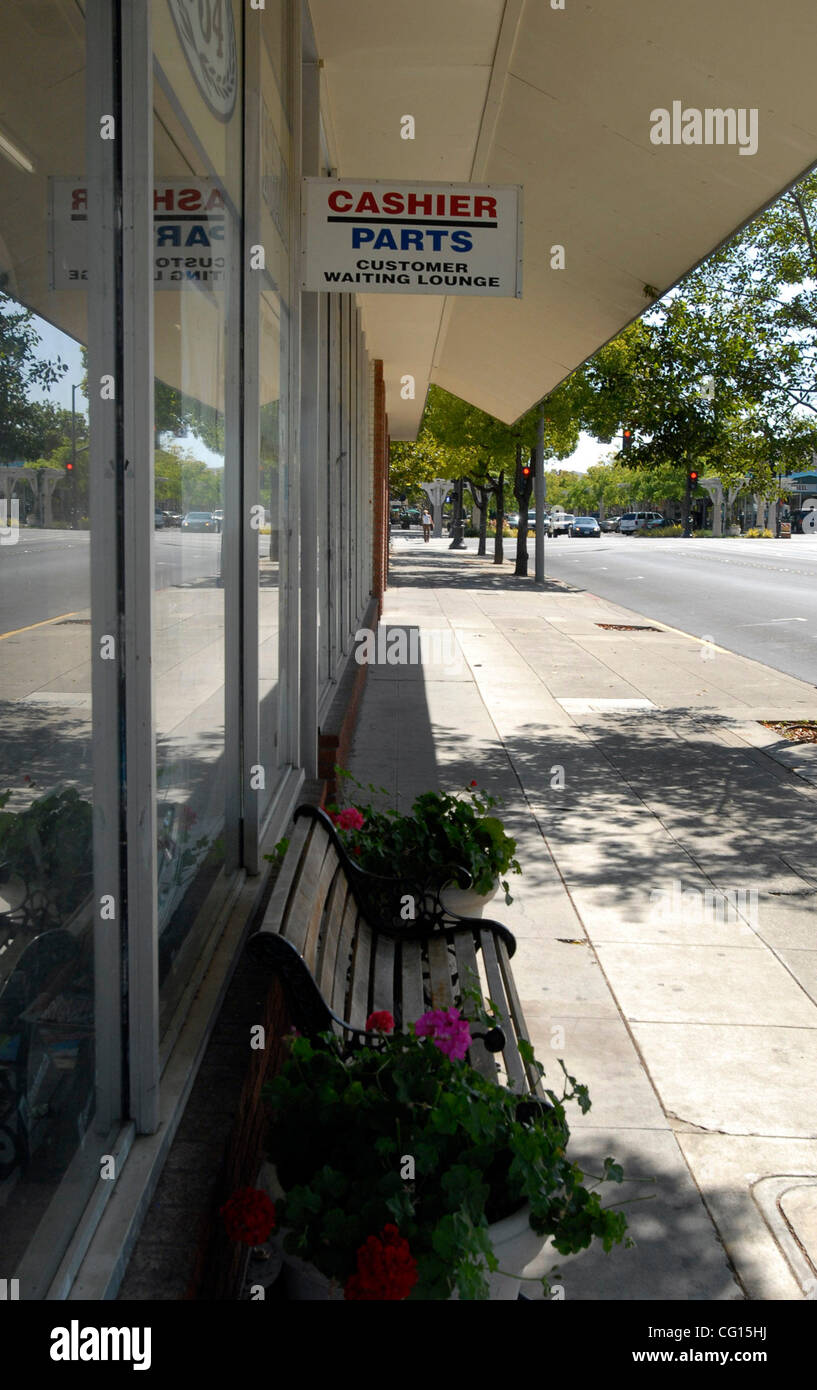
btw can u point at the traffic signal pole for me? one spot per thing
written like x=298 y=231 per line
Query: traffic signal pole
x=692 y=481
x=539 y=499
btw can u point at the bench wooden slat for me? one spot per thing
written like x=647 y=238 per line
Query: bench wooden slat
x=533 y=1078
x=439 y=967
x=496 y=992
x=479 y=1056
x=277 y=906
x=342 y=960
x=302 y=904
x=383 y=974
x=329 y=870
x=358 y=1010
x=331 y=935
x=412 y=996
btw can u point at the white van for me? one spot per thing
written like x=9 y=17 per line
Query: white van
x=640 y=521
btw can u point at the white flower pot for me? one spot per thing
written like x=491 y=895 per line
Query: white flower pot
x=465 y=902
x=519 y=1251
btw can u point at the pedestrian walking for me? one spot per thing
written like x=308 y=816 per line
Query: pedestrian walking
x=426 y=521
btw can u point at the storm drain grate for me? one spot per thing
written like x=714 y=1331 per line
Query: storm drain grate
x=626 y=627
x=74 y=622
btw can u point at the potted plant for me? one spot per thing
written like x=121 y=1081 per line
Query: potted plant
x=48 y=848
x=442 y=831
x=405 y=1173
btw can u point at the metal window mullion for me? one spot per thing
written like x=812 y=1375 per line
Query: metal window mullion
x=290 y=621
x=346 y=474
x=353 y=459
x=311 y=405
x=136 y=395
x=104 y=467
x=323 y=493
x=251 y=754
x=363 y=452
x=334 y=549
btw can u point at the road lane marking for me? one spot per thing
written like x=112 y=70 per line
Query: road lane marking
x=45 y=622
x=769 y=622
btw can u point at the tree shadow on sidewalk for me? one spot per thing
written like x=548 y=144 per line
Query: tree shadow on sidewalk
x=464 y=570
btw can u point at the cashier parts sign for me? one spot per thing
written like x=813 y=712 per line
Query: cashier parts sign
x=191 y=234
x=411 y=238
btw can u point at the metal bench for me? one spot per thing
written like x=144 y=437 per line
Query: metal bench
x=343 y=946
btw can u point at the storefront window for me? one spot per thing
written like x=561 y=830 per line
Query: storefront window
x=49 y=1034
x=198 y=152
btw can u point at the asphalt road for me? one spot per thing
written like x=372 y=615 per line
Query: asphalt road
x=757 y=598
x=47 y=573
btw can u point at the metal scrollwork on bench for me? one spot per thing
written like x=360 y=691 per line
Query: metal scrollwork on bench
x=381 y=900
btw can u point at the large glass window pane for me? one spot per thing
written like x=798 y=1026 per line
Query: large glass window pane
x=49 y=1151
x=197 y=179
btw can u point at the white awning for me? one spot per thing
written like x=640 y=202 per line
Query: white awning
x=561 y=101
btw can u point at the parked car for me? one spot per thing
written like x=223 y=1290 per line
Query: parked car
x=585 y=526
x=640 y=521
x=172 y=518
x=610 y=523
x=199 y=521
x=218 y=517
x=158 y=519
x=560 y=523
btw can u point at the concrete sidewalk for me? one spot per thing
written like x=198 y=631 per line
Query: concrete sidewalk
x=667 y=944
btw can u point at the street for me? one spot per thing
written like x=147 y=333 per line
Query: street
x=757 y=598
x=47 y=575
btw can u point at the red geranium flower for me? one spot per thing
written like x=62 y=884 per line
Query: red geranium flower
x=249 y=1216
x=473 y=784
x=380 y=1022
x=386 y=1269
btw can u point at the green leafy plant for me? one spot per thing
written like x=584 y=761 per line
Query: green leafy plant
x=345 y=1123
x=442 y=831
x=49 y=845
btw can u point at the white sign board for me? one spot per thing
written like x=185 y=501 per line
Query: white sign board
x=190 y=234
x=376 y=237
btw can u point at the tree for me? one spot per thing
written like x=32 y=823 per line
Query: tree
x=721 y=374
x=27 y=428
x=487 y=451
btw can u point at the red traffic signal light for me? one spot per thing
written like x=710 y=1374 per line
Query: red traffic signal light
x=627 y=439
x=69 y=467
x=693 y=476
x=525 y=470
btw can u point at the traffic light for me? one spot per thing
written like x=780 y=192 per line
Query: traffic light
x=525 y=470
x=627 y=441
x=69 y=467
x=693 y=477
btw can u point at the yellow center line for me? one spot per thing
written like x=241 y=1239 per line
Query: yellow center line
x=45 y=622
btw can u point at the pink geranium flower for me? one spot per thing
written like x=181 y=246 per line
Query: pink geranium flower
x=448 y=1030
x=350 y=819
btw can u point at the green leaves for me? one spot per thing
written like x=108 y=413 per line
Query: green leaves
x=442 y=831
x=344 y=1122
